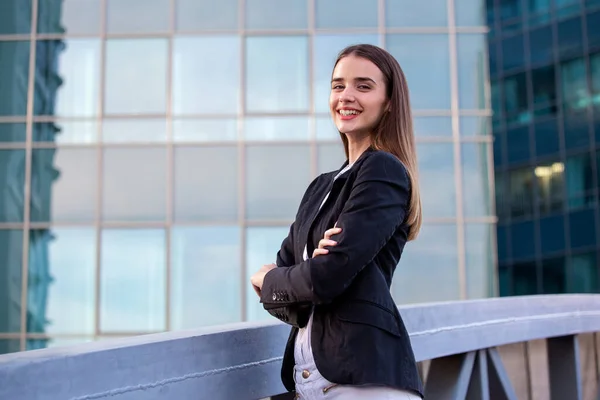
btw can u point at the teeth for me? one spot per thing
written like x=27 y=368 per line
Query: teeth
x=348 y=112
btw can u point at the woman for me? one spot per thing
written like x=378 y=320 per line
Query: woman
x=348 y=339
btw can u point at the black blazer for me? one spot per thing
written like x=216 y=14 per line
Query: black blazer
x=358 y=336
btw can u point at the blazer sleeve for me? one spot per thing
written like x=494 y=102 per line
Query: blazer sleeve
x=377 y=206
x=285 y=255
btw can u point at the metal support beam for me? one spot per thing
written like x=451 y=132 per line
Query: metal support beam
x=479 y=386
x=564 y=368
x=449 y=377
x=500 y=386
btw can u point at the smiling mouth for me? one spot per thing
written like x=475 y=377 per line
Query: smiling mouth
x=347 y=113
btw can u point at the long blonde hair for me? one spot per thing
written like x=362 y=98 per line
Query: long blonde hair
x=394 y=132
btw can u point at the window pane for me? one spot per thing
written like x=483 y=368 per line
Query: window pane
x=206 y=75
x=67 y=341
x=277 y=128
x=205 y=130
x=428 y=270
x=404 y=13
x=206 y=196
x=132 y=280
x=552 y=234
x=570 y=38
x=12 y=182
x=472 y=71
x=544 y=91
x=265 y=178
x=541 y=47
x=432 y=126
x=80 y=17
x=65 y=184
x=546 y=137
x=262 y=245
x=126 y=89
x=327 y=48
x=71 y=292
x=579 y=181
x=126 y=16
x=523 y=238
x=524 y=277
x=554 y=276
x=276 y=74
x=197 y=15
x=513 y=52
x=476 y=184
x=574 y=85
x=352 y=14
x=11 y=261
x=196 y=290
x=330 y=157
x=520 y=186
x=14 y=64
x=474 y=126
x=515 y=99
x=550 y=185
x=326 y=129
x=72 y=89
x=69 y=132
x=429 y=87
x=436 y=179
x=583 y=228
x=10 y=346
x=479 y=260
x=134 y=130
x=470 y=13
x=16 y=17
x=584 y=274
x=275 y=14
x=134 y=184
x=10 y=132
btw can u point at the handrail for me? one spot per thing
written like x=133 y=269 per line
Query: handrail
x=242 y=360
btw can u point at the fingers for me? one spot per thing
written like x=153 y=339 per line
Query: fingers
x=332 y=231
x=320 y=252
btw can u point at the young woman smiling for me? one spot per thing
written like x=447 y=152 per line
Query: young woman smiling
x=348 y=339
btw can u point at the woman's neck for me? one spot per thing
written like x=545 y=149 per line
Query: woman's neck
x=357 y=147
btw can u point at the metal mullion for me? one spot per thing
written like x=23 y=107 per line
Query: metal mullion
x=13 y=119
x=381 y=29
x=27 y=186
x=18 y=37
x=241 y=170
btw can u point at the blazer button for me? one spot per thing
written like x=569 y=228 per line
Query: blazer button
x=274 y=297
x=305 y=374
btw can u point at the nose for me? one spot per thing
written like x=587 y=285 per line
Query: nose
x=346 y=96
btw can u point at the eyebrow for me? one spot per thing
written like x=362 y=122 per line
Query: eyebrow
x=358 y=79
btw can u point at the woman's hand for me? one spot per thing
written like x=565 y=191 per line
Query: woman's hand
x=258 y=278
x=326 y=241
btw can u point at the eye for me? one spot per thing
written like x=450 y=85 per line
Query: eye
x=337 y=87
x=364 y=87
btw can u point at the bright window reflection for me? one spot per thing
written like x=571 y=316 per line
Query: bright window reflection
x=137 y=16
x=412 y=13
x=76 y=17
x=132 y=280
x=276 y=128
x=476 y=184
x=276 y=14
x=326 y=129
x=479 y=259
x=472 y=71
x=141 y=130
x=470 y=12
x=349 y=14
x=64 y=131
x=432 y=127
x=205 y=130
x=330 y=157
x=206 y=265
x=436 y=179
x=203 y=15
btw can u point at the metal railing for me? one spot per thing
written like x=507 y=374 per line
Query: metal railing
x=457 y=342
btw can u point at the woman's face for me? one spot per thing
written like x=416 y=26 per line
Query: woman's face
x=358 y=96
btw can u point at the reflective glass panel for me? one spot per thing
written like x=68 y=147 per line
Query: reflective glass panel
x=520 y=186
x=429 y=87
x=206 y=264
x=276 y=74
x=67 y=341
x=479 y=259
x=65 y=185
x=15 y=17
x=436 y=179
x=12 y=182
x=470 y=13
x=132 y=280
x=201 y=15
x=66 y=132
x=204 y=130
x=326 y=49
x=14 y=79
x=134 y=184
x=476 y=183
x=201 y=194
x=584 y=273
x=276 y=14
x=80 y=17
x=70 y=306
x=206 y=75
x=10 y=346
x=405 y=13
x=472 y=71
x=326 y=129
x=265 y=179
x=13 y=132
x=142 y=130
x=276 y=128
x=11 y=254
x=137 y=16
x=428 y=270
x=127 y=90
x=475 y=126
x=349 y=14
x=76 y=63
x=579 y=183
x=330 y=157
x=262 y=245
x=432 y=127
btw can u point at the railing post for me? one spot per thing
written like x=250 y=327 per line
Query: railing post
x=564 y=368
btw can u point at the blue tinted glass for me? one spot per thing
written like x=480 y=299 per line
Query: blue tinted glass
x=501 y=194
x=276 y=14
x=513 y=53
x=326 y=129
x=76 y=62
x=15 y=17
x=429 y=87
x=523 y=238
x=125 y=16
x=592 y=31
x=510 y=9
x=196 y=252
x=576 y=130
x=132 y=280
x=554 y=277
x=326 y=48
x=541 y=49
x=199 y=15
x=276 y=128
x=583 y=273
x=570 y=38
x=525 y=279
x=436 y=179
x=475 y=126
x=552 y=232
x=470 y=12
x=583 y=228
x=520 y=189
x=546 y=137
x=206 y=75
x=550 y=186
x=479 y=260
x=579 y=181
x=62 y=281
x=205 y=130
x=476 y=183
x=277 y=74
x=472 y=71
x=126 y=89
x=12 y=181
x=432 y=126
x=11 y=253
x=72 y=17
x=502 y=243
x=350 y=14
x=262 y=245
x=14 y=64
x=413 y=281
x=67 y=185
x=518 y=144
x=493 y=58
x=498 y=148
x=575 y=92
x=405 y=13
x=544 y=91
x=13 y=132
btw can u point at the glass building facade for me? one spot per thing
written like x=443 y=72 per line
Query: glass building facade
x=545 y=74
x=153 y=154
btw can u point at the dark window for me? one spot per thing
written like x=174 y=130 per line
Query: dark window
x=546 y=137
x=524 y=279
x=583 y=228
x=518 y=146
x=544 y=91
x=552 y=234
x=515 y=99
x=501 y=199
x=574 y=86
x=520 y=189
x=576 y=130
x=540 y=46
x=522 y=240
x=570 y=40
x=490 y=15
x=513 y=53
x=579 y=181
x=550 y=184
x=504 y=280
x=502 y=231
x=593 y=33
x=554 y=275
x=583 y=273
x=539 y=12
x=493 y=53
